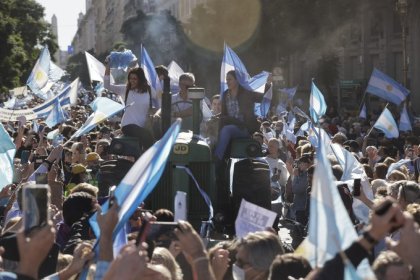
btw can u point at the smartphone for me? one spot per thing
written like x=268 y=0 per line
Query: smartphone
x=356 y=187
x=41 y=178
x=24 y=157
x=158 y=229
x=36 y=202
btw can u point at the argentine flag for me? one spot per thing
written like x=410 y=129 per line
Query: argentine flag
x=56 y=115
x=103 y=108
x=405 y=123
x=317 y=107
x=387 y=88
x=151 y=75
x=231 y=61
x=330 y=228
x=67 y=97
x=121 y=60
x=387 y=125
x=44 y=75
x=140 y=180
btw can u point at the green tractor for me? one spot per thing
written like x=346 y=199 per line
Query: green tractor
x=193 y=152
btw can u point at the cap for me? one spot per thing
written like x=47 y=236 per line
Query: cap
x=92 y=156
x=78 y=169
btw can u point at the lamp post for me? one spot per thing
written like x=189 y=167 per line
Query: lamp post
x=402 y=9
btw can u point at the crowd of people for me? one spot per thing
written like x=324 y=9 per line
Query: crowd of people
x=82 y=173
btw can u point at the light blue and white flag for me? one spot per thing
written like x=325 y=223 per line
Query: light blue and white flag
x=151 y=76
x=405 y=123
x=55 y=72
x=330 y=228
x=140 y=180
x=352 y=168
x=363 y=114
x=387 y=124
x=317 y=107
x=56 y=115
x=387 y=88
x=7 y=153
x=44 y=75
x=121 y=60
x=67 y=97
x=174 y=72
x=396 y=165
x=290 y=92
x=231 y=61
x=103 y=108
x=266 y=102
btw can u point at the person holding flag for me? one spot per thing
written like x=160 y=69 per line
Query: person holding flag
x=137 y=91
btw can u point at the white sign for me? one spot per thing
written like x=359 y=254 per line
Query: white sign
x=180 y=206
x=252 y=218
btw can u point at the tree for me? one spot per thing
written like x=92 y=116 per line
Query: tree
x=22 y=33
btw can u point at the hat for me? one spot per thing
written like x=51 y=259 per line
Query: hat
x=78 y=169
x=92 y=156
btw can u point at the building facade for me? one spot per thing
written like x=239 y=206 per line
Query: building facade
x=372 y=40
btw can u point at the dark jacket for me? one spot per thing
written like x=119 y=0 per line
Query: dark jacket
x=246 y=100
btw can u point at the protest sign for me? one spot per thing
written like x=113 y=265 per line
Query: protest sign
x=252 y=218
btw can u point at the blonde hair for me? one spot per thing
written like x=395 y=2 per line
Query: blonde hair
x=164 y=257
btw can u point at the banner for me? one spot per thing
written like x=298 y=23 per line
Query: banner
x=68 y=96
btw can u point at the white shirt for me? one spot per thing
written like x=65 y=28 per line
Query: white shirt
x=137 y=113
x=181 y=106
x=281 y=167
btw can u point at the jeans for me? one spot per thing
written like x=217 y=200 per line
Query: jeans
x=226 y=134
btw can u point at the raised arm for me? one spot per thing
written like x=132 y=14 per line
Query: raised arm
x=118 y=89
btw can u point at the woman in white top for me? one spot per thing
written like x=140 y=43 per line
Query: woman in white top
x=136 y=91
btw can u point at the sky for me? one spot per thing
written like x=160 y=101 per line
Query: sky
x=67 y=12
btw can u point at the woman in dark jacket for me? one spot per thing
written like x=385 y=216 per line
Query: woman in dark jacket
x=237 y=118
